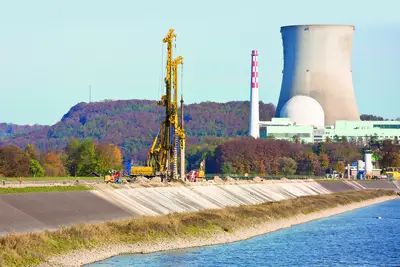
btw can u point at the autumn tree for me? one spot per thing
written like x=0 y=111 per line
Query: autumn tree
x=324 y=161
x=389 y=154
x=312 y=163
x=339 y=167
x=396 y=161
x=30 y=151
x=108 y=157
x=53 y=165
x=274 y=166
x=14 y=162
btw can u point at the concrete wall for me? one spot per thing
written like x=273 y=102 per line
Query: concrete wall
x=39 y=211
x=163 y=200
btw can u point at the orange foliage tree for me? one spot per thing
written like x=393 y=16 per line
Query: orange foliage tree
x=14 y=162
x=53 y=165
x=109 y=157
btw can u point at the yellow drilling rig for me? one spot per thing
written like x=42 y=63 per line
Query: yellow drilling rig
x=163 y=155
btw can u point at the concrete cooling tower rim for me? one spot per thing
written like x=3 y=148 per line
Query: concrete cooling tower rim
x=317 y=25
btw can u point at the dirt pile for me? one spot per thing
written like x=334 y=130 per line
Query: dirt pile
x=156 y=180
x=217 y=179
x=258 y=179
x=141 y=180
x=230 y=180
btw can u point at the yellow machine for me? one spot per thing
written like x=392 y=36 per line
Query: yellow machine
x=163 y=154
x=146 y=171
x=202 y=169
x=393 y=175
x=197 y=175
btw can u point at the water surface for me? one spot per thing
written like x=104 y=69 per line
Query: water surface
x=354 y=238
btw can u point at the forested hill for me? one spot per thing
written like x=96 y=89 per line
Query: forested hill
x=132 y=124
x=9 y=130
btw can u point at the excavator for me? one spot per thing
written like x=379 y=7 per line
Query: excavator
x=162 y=157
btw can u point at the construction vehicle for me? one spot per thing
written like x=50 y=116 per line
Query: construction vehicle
x=197 y=175
x=163 y=154
x=392 y=173
x=113 y=177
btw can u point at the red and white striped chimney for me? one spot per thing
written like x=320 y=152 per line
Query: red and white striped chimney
x=254 y=108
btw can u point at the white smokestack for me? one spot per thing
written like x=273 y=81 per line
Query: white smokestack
x=368 y=162
x=254 y=108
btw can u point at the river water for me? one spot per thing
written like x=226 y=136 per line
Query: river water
x=357 y=238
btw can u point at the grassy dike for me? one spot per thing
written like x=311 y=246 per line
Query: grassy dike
x=40 y=189
x=34 y=248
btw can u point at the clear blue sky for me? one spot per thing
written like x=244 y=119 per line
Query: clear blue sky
x=50 y=51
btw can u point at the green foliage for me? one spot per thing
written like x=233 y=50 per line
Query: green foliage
x=30 y=150
x=227 y=168
x=35 y=169
x=287 y=166
x=50 y=178
x=87 y=158
x=83 y=158
x=72 y=156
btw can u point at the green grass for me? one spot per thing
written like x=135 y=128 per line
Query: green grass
x=34 y=248
x=52 y=178
x=328 y=180
x=37 y=189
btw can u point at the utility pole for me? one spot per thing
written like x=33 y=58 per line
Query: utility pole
x=182 y=148
x=90 y=93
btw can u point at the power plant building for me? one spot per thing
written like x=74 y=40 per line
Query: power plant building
x=353 y=131
x=317 y=99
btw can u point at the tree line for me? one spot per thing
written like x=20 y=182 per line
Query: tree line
x=278 y=157
x=79 y=158
x=222 y=155
x=133 y=124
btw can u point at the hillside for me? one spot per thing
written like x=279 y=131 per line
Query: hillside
x=9 y=130
x=132 y=124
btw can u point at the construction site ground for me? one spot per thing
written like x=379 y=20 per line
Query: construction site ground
x=50 y=210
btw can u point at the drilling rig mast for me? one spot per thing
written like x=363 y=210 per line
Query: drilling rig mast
x=163 y=153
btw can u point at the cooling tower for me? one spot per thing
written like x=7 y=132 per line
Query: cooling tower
x=317 y=64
